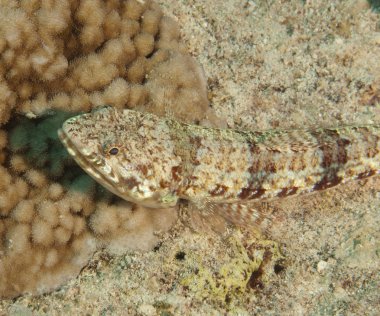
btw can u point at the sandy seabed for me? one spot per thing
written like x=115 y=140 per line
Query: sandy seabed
x=269 y=64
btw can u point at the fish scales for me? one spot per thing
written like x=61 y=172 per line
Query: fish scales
x=232 y=165
x=156 y=161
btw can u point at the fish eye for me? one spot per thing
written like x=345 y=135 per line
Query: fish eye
x=113 y=151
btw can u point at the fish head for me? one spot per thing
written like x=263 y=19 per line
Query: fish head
x=128 y=152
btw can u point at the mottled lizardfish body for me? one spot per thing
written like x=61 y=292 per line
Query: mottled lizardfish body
x=156 y=161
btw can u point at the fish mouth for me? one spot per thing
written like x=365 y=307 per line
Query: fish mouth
x=87 y=162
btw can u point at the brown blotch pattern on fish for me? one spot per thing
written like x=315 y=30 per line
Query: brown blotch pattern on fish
x=219 y=190
x=143 y=169
x=366 y=174
x=251 y=193
x=176 y=172
x=333 y=147
x=328 y=181
x=131 y=182
x=287 y=192
x=253 y=188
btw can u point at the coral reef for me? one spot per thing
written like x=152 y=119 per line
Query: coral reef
x=59 y=58
x=76 y=55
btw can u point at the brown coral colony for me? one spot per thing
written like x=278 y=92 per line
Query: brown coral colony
x=74 y=56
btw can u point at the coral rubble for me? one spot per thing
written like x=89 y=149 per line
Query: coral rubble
x=60 y=57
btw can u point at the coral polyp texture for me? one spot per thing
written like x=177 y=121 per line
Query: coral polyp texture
x=75 y=55
x=61 y=57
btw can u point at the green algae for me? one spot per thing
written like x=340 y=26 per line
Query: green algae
x=233 y=279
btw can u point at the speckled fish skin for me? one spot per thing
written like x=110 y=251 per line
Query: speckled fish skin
x=156 y=161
